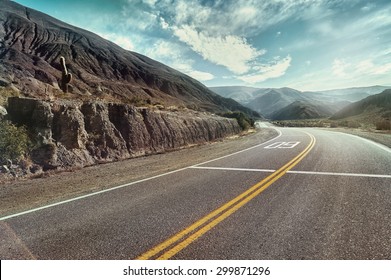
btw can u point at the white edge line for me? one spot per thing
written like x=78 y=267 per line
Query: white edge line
x=233 y=169
x=131 y=183
x=90 y=194
x=294 y=172
x=339 y=174
x=241 y=151
x=381 y=146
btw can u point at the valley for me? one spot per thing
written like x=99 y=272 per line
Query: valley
x=367 y=107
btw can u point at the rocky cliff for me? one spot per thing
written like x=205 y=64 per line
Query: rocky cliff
x=75 y=133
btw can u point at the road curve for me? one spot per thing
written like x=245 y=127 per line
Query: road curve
x=307 y=194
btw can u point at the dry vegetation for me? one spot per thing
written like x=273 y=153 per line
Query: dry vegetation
x=379 y=124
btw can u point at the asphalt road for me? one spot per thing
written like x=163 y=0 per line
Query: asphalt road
x=307 y=194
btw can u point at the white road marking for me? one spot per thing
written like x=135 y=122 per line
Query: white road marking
x=233 y=169
x=384 y=148
x=129 y=184
x=294 y=172
x=245 y=150
x=340 y=174
x=88 y=195
x=282 y=145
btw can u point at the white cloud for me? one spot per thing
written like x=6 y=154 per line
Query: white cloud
x=369 y=67
x=163 y=23
x=374 y=22
x=136 y=18
x=339 y=67
x=229 y=33
x=161 y=49
x=230 y=51
x=199 y=75
x=368 y=7
x=363 y=66
x=265 y=72
x=150 y=2
x=239 y=17
x=171 y=54
x=364 y=69
x=382 y=69
x=120 y=40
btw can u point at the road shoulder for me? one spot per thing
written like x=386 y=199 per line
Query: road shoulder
x=383 y=138
x=26 y=194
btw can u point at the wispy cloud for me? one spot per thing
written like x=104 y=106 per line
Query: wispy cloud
x=240 y=17
x=173 y=56
x=334 y=42
x=339 y=67
x=121 y=40
x=368 y=7
x=366 y=67
x=267 y=71
x=230 y=51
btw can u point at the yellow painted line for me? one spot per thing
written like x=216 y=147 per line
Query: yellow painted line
x=225 y=210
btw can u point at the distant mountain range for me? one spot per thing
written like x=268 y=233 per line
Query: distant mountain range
x=370 y=109
x=287 y=103
x=302 y=110
x=31 y=44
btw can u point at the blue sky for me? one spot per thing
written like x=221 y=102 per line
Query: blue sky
x=303 y=44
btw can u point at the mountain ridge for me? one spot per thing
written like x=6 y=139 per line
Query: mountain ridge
x=270 y=101
x=32 y=42
x=378 y=103
x=301 y=110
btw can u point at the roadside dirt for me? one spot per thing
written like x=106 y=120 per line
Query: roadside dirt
x=21 y=195
x=382 y=137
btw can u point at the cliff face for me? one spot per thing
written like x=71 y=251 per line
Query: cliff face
x=76 y=133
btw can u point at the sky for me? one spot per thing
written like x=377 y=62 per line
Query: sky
x=302 y=44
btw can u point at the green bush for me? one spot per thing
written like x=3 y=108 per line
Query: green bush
x=243 y=120
x=14 y=142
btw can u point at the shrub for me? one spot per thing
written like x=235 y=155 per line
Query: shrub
x=14 y=142
x=243 y=120
x=6 y=92
x=383 y=125
x=333 y=124
x=353 y=124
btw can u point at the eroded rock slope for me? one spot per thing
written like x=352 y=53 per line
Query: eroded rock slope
x=75 y=133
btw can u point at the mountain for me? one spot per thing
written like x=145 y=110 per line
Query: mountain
x=302 y=110
x=270 y=102
x=354 y=94
x=31 y=44
x=273 y=100
x=239 y=93
x=371 y=109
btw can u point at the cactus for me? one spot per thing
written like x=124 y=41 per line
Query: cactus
x=66 y=77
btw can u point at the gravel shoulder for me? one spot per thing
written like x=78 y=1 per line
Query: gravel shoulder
x=383 y=138
x=21 y=195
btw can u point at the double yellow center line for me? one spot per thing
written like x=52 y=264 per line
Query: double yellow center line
x=184 y=238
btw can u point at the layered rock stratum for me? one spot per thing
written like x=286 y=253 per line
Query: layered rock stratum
x=78 y=134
